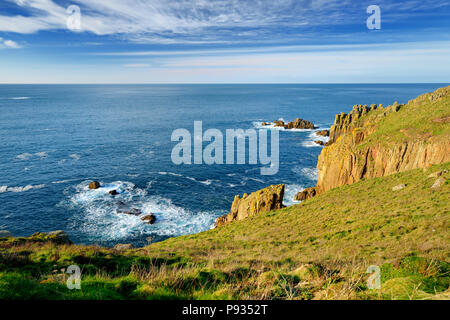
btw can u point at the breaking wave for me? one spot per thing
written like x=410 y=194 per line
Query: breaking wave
x=289 y=193
x=101 y=214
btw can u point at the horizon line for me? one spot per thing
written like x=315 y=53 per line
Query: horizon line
x=216 y=83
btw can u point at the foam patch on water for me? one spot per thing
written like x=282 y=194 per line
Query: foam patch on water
x=75 y=156
x=289 y=193
x=310 y=173
x=24 y=156
x=19 y=98
x=27 y=156
x=29 y=187
x=205 y=182
x=312 y=137
x=101 y=219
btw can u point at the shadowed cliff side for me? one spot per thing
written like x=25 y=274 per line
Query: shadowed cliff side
x=374 y=141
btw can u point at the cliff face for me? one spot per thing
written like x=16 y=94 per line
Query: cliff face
x=375 y=141
x=344 y=123
x=345 y=164
x=268 y=199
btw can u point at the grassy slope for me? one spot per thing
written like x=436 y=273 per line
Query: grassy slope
x=340 y=233
x=414 y=121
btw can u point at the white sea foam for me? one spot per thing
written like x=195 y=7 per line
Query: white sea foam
x=29 y=187
x=310 y=173
x=66 y=181
x=271 y=126
x=27 y=156
x=170 y=174
x=101 y=218
x=289 y=193
x=312 y=137
x=19 y=98
x=24 y=156
x=41 y=154
x=205 y=182
x=75 y=156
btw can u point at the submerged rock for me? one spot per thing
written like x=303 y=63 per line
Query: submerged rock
x=268 y=199
x=113 y=192
x=150 y=219
x=131 y=212
x=94 y=185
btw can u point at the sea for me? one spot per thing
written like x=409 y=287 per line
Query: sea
x=55 y=139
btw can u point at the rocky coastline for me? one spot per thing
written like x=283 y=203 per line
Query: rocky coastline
x=353 y=153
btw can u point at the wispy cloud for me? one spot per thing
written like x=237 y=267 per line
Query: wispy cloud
x=200 y=21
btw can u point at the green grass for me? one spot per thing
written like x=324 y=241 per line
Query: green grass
x=414 y=121
x=334 y=236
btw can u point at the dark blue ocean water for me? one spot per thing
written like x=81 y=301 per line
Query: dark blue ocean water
x=54 y=139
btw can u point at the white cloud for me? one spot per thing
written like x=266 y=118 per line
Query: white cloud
x=310 y=64
x=197 y=21
x=9 y=44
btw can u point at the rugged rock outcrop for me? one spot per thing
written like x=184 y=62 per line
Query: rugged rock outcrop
x=372 y=141
x=94 y=185
x=150 y=218
x=344 y=123
x=300 y=124
x=323 y=133
x=296 y=124
x=268 y=199
x=319 y=142
x=305 y=194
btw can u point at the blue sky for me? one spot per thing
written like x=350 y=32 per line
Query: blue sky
x=219 y=41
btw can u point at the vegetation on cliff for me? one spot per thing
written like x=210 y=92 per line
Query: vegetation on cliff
x=320 y=249
x=375 y=141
